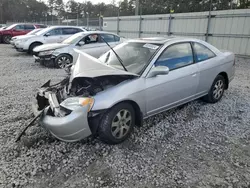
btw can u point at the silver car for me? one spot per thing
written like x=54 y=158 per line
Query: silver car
x=62 y=54
x=107 y=97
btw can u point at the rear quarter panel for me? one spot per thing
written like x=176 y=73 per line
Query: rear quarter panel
x=209 y=69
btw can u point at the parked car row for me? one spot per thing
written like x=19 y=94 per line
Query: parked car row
x=55 y=46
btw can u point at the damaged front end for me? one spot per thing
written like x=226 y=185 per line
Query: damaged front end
x=65 y=108
x=66 y=105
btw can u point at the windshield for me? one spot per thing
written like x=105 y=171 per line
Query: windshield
x=34 y=31
x=11 y=26
x=135 y=56
x=73 y=39
x=43 y=31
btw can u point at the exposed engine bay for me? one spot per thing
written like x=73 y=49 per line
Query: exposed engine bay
x=80 y=86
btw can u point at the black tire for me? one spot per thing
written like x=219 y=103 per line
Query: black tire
x=32 y=46
x=108 y=133
x=63 y=60
x=6 y=39
x=216 y=91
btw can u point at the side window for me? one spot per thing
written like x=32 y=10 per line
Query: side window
x=176 y=56
x=55 y=32
x=117 y=39
x=29 y=27
x=202 y=53
x=93 y=38
x=108 y=38
x=69 y=31
x=19 y=27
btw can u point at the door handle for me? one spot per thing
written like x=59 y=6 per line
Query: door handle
x=194 y=74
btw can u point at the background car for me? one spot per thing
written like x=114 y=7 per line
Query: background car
x=63 y=54
x=33 y=32
x=108 y=96
x=16 y=30
x=49 y=35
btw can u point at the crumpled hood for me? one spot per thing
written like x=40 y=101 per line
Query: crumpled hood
x=52 y=46
x=88 y=66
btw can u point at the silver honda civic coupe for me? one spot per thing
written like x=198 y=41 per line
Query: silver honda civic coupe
x=107 y=97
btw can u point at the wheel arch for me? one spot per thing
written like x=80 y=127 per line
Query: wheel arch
x=36 y=42
x=224 y=74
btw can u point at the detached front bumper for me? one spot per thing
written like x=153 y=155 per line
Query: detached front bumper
x=69 y=128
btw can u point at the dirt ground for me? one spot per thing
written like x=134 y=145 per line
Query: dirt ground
x=196 y=145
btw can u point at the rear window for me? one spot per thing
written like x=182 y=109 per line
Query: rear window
x=41 y=26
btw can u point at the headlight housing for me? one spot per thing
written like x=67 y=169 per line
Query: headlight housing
x=75 y=102
x=44 y=53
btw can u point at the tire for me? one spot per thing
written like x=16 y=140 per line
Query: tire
x=32 y=46
x=63 y=60
x=217 y=90
x=114 y=130
x=6 y=39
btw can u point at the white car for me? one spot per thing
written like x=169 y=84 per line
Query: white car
x=33 y=32
x=62 y=54
x=45 y=36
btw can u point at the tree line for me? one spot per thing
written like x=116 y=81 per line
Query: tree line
x=38 y=10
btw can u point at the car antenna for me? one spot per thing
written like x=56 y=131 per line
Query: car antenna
x=118 y=57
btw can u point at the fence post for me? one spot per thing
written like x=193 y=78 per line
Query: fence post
x=140 y=22
x=169 y=24
x=208 y=26
x=118 y=20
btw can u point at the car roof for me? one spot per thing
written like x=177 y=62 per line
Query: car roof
x=63 y=26
x=97 y=32
x=160 y=40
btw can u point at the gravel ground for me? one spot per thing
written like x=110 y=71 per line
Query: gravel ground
x=196 y=145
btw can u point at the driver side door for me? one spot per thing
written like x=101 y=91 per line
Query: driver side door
x=18 y=30
x=92 y=45
x=53 y=36
x=179 y=85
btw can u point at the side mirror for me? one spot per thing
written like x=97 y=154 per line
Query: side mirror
x=81 y=43
x=160 y=70
x=47 y=35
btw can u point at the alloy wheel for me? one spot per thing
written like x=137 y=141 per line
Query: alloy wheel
x=121 y=124
x=63 y=61
x=218 y=89
x=7 y=39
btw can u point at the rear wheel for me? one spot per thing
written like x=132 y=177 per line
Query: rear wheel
x=6 y=39
x=217 y=90
x=117 y=124
x=63 y=60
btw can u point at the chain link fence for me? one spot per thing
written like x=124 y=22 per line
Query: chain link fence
x=88 y=23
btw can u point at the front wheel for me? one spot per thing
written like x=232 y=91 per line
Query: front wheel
x=63 y=60
x=217 y=90
x=32 y=47
x=6 y=39
x=117 y=124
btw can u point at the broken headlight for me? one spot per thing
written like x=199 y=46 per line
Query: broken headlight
x=75 y=102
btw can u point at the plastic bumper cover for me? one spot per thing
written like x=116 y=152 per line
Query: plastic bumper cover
x=70 y=128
